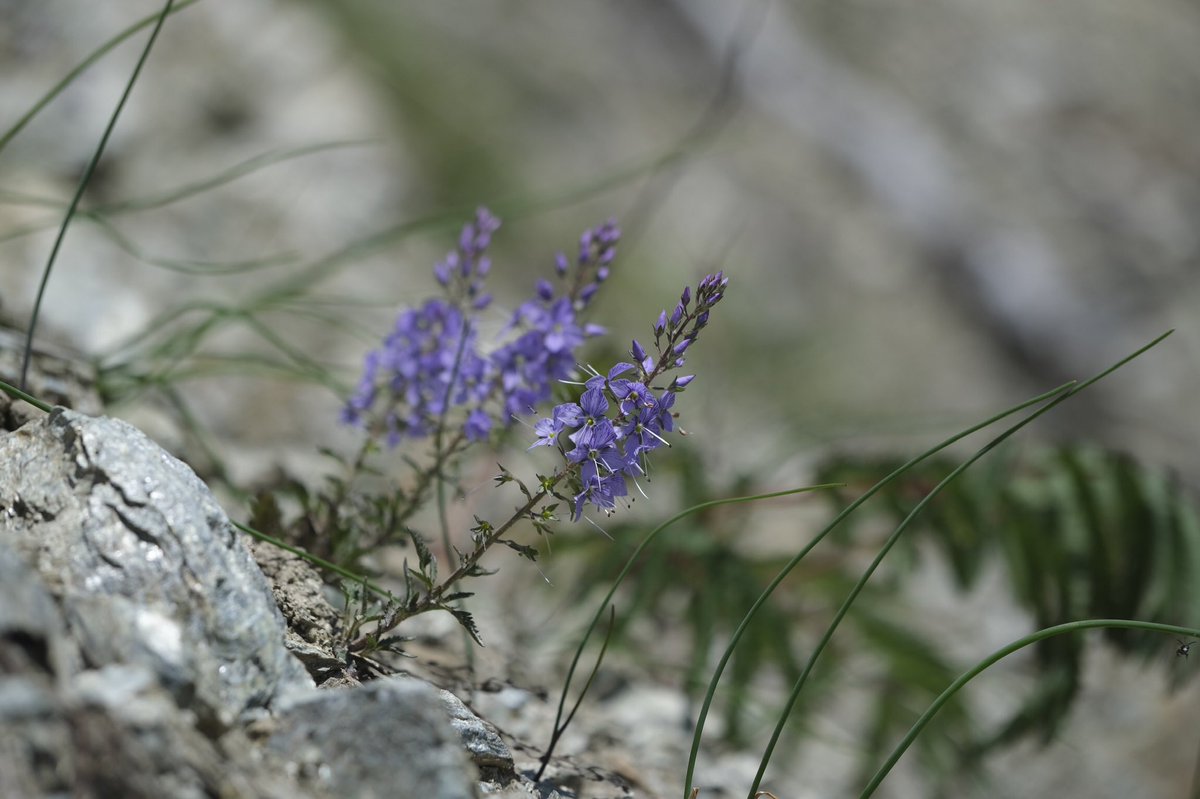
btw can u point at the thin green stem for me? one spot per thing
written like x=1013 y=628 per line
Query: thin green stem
x=562 y=701
x=895 y=536
x=82 y=67
x=783 y=573
x=17 y=393
x=438 y=433
x=560 y=729
x=440 y=476
x=997 y=656
x=318 y=561
x=433 y=600
x=229 y=175
x=87 y=177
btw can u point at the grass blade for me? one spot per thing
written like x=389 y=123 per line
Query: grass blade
x=1000 y=654
x=87 y=177
x=854 y=592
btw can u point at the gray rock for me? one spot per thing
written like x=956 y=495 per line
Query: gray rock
x=483 y=743
x=394 y=740
x=142 y=654
x=130 y=739
x=144 y=563
x=312 y=623
x=32 y=658
x=113 y=731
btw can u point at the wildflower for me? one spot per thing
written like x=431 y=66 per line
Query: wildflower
x=427 y=363
x=645 y=424
x=478 y=425
x=544 y=353
x=608 y=449
x=433 y=362
x=566 y=415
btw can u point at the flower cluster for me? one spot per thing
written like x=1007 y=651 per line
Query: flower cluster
x=547 y=326
x=604 y=451
x=433 y=362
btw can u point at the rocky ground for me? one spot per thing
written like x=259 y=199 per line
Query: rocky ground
x=144 y=654
x=928 y=210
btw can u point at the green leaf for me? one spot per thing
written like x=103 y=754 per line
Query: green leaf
x=467 y=621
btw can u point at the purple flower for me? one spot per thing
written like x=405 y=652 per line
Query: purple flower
x=591 y=441
x=567 y=415
x=426 y=365
x=594 y=406
x=432 y=370
x=543 y=354
x=607 y=451
x=462 y=271
x=561 y=332
x=601 y=492
x=646 y=421
x=601 y=471
x=478 y=425
x=636 y=398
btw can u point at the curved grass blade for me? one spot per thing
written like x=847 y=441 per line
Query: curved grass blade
x=1000 y=654
x=82 y=67
x=87 y=177
x=559 y=730
x=783 y=573
x=228 y=175
x=633 y=559
x=870 y=570
x=360 y=579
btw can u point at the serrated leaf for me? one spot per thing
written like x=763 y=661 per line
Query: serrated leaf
x=392 y=644
x=468 y=623
x=421 y=578
x=426 y=562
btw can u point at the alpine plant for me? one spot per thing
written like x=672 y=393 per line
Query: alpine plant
x=433 y=374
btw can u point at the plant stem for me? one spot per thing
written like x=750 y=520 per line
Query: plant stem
x=1000 y=654
x=83 y=183
x=433 y=600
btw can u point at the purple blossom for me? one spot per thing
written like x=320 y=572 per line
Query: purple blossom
x=592 y=440
x=601 y=492
x=606 y=451
x=601 y=471
x=478 y=425
x=427 y=364
x=568 y=415
x=544 y=353
x=433 y=362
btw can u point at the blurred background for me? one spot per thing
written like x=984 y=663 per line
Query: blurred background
x=928 y=210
